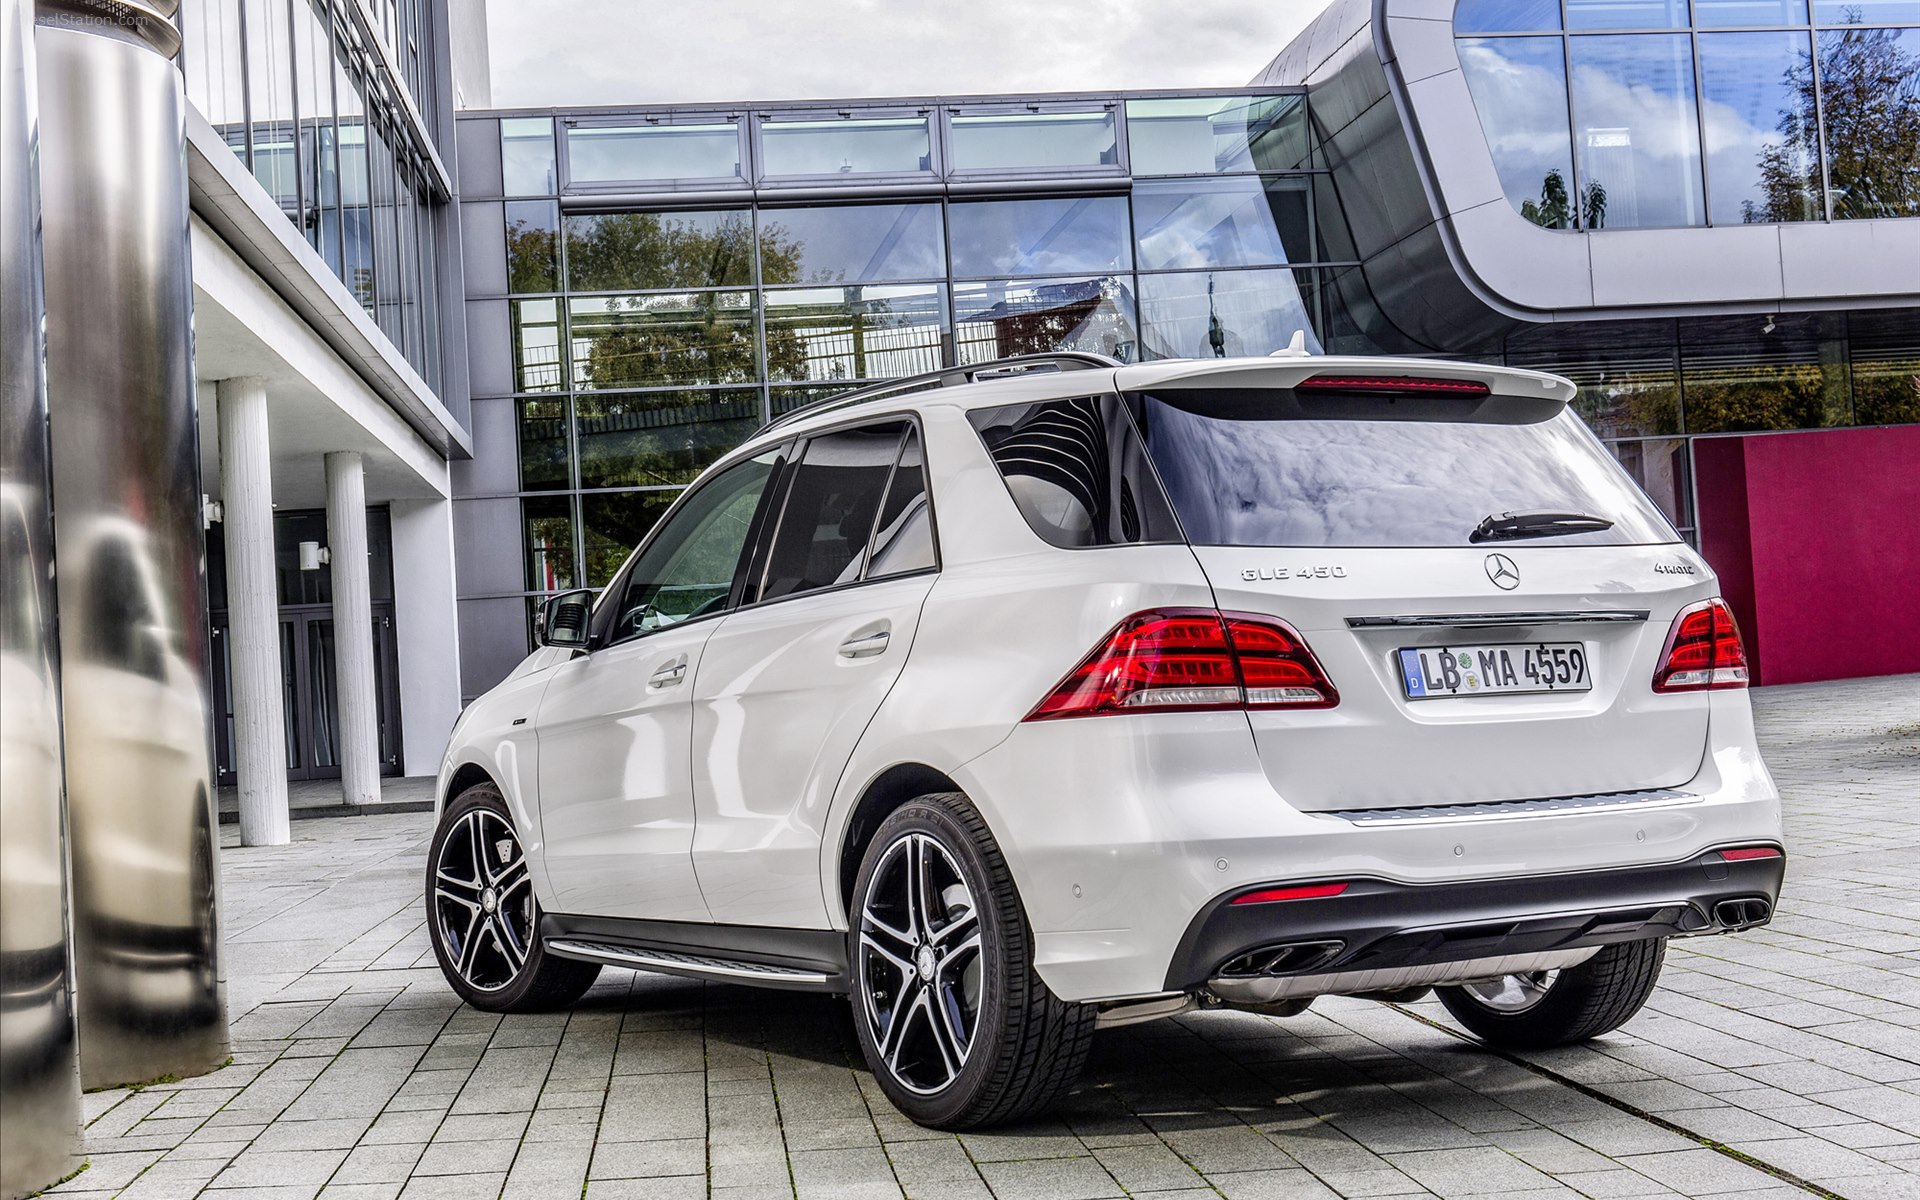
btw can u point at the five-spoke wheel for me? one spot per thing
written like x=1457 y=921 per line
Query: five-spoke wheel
x=919 y=963
x=482 y=916
x=483 y=899
x=958 y=1027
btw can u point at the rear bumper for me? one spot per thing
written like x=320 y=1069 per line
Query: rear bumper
x=1119 y=830
x=1377 y=925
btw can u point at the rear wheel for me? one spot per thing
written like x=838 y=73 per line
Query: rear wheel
x=958 y=1028
x=483 y=919
x=1557 y=1008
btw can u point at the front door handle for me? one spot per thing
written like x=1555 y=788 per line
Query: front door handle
x=865 y=646
x=669 y=674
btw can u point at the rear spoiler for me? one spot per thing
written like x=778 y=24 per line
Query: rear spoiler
x=1290 y=371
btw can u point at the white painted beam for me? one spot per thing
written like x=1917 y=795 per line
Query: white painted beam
x=354 y=680
x=253 y=612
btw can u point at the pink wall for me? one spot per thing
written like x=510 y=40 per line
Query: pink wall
x=1816 y=539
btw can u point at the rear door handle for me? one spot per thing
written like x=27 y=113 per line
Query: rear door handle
x=865 y=646
x=669 y=673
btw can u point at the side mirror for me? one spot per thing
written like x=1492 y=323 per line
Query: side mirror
x=564 y=619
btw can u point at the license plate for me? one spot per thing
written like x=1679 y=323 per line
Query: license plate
x=1434 y=672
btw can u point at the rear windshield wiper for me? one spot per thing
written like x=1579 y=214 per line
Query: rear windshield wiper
x=1501 y=527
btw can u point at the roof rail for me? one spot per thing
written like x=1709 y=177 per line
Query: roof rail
x=1000 y=368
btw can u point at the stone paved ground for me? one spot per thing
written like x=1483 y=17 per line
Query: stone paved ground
x=1779 y=1063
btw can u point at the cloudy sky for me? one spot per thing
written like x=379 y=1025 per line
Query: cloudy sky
x=565 y=52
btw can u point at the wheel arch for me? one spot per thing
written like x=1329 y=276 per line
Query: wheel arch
x=466 y=775
x=883 y=794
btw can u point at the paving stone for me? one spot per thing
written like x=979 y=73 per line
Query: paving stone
x=355 y=1067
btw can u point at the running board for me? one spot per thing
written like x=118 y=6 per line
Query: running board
x=696 y=966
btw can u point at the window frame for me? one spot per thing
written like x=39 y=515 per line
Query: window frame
x=742 y=181
x=760 y=119
x=606 y=611
x=795 y=459
x=1114 y=109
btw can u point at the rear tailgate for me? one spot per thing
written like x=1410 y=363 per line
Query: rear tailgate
x=1358 y=608
x=1381 y=506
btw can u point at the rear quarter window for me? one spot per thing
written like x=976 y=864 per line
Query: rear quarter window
x=1077 y=472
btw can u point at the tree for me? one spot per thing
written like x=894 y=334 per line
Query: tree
x=1594 y=206
x=1869 y=94
x=676 y=337
x=533 y=257
x=1553 y=210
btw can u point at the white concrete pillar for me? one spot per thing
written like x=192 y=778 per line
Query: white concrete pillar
x=354 y=680
x=426 y=630
x=253 y=612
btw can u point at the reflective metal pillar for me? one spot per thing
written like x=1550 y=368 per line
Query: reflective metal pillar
x=39 y=1073
x=253 y=613
x=353 y=628
x=129 y=541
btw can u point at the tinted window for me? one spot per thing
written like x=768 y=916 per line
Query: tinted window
x=1077 y=472
x=1255 y=467
x=835 y=495
x=688 y=570
x=903 y=533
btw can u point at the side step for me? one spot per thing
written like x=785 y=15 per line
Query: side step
x=696 y=966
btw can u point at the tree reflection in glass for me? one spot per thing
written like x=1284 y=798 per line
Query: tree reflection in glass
x=1763 y=161
x=1519 y=88
x=1870 y=101
x=1636 y=132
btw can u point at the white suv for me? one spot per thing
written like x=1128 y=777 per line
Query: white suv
x=1054 y=693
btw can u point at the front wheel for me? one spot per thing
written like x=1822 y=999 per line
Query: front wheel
x=1540 y=1009
x=959 y=1029
x=483 y=919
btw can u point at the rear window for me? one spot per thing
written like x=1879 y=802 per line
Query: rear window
x=1264 y=467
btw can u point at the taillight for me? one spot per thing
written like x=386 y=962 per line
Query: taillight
x=1703 y=651
x=1188 y=660
x=1276 y=668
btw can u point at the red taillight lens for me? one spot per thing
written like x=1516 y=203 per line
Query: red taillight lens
x=1310 y=891
x=1392 y=385
x=1745 y=853
x=1188 y=659
x=1703 y=651
x=1276 y=668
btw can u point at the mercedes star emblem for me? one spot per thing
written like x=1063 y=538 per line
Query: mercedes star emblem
x=1504 y=574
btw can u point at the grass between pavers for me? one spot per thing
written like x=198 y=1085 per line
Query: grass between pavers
x=69 y=1177
x=1632 y=1110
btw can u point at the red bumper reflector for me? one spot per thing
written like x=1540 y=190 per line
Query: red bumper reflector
x=1310 y=891
x=1749 y=852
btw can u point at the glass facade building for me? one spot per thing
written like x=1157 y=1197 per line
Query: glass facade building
x=333 y=106
x=1633 y=114
x=669 y=281
x=645 y=287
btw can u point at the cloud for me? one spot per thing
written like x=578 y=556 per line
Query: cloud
x=579 y=52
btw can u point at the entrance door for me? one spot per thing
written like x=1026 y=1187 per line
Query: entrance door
x=309 y=695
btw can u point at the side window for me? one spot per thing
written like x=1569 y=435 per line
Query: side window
x=903 y=535
x=833 y=501
x=688 y=569
x=1077 y=471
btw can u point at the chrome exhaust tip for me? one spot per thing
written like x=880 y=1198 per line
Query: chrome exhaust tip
x=1734 y=915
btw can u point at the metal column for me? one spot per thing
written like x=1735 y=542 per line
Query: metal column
x=39 y=1071
x=129 y=541
x=353 y=628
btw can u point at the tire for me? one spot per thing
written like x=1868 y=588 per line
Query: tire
x=1559 y=1008
x=482 y=916
x=921 y=957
